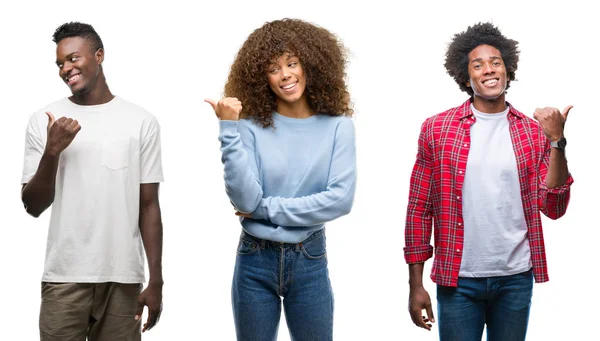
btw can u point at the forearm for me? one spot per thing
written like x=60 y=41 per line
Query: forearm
x=152 y=236
x=310 y=210
x=415 y=275
x=558 y=172
x=38 y=194
x=241 y=183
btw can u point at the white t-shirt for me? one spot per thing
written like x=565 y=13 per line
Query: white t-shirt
x=94 y=234
x=495 y=231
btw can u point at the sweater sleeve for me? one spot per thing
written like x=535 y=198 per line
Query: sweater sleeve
x=241 y=181
x=335 y=201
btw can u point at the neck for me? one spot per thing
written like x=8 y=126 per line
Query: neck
x=489 y=106
x=98 y=93
x=297 y=109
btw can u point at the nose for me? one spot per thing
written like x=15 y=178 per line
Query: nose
x=285 y=73
x=487 y=68
x=66 y=68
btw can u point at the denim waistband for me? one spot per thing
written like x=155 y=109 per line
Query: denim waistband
x=270 y=243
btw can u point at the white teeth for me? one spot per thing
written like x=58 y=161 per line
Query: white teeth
x=73 y=78
x=490 y=81
x=289 y=86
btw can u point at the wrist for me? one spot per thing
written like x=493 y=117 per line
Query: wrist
x=158 y=282
x=51 y=152
x=415 y=286
x=559 y=143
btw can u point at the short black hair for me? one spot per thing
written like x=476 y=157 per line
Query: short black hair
x=77 y=29
x=457 y=55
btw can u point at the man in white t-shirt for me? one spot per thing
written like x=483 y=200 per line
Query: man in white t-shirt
x=99 y=165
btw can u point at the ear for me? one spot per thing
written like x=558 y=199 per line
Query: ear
x=99 y=55
x=468 y=84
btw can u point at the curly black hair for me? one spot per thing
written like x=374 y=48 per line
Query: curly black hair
x=77 y=29
x=323 y=59
x=457 y=55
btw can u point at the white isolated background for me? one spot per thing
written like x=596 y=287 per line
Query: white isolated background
x=169 y=56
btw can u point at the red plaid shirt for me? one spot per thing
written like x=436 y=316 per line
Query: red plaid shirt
x=436 y=190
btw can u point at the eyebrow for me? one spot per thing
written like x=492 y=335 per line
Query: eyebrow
x=481 y=59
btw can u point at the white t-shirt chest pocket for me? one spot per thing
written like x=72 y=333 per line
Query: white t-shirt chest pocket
x=116 y=153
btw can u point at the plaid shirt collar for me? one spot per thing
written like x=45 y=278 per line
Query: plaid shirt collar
x=465 y=111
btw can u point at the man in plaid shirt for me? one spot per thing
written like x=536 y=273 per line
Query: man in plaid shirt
x=484 y=171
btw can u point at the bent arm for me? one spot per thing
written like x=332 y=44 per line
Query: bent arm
x=241 y=182
x=554 y=182
x=335 y=201
x=39 y=174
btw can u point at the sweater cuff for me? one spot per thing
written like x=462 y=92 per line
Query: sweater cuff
x=261 y=211
x=227 y=129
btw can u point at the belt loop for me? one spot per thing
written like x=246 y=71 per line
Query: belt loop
x=298 y=246
x=262 y=244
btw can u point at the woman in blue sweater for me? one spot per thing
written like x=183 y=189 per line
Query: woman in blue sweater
x=289 y=155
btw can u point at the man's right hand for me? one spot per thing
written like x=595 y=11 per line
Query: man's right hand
x=418 y=300
x=61 y=133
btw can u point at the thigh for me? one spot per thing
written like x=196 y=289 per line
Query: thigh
x=309 y=301
x=461 y=313
x=508 y=313
x=114 y=310
x=65 y=311
x=254 y=292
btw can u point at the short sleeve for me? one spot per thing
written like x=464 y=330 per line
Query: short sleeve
x=150 y=155
x=34 y=149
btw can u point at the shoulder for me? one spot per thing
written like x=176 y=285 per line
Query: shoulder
x=39 y=120
x=340 y=122
x=446 y=117
x=133 y=110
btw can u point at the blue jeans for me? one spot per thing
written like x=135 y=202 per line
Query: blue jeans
x=501 y=303
x=267 y=272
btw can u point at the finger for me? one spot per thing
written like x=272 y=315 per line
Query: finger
x=68 y=122
x=212 y=103
x=51 y=119
x=421 y=322
x=417 y=319
x=565 y=112
x=429 y=311
x=150 y=321
x=140 y=311
x=73 y=124
x=414 y=317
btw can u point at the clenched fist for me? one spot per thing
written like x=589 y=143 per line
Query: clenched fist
x=227 y=109
x=61 y=133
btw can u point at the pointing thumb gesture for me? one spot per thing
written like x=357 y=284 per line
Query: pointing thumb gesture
x=51 y=119
x=565 y=112
x=227 y=109
x=212 y=103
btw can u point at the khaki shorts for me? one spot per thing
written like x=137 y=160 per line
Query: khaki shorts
x=96 y=311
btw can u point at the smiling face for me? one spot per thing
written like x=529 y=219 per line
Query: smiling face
x=78 y=64
x=286 y=78
x=487 y=74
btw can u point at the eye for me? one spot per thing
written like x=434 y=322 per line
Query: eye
x=496 y=63
x=74 y=59
x=59 y=66
x=292 y=64
x=273 y=70
x=477 y=66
